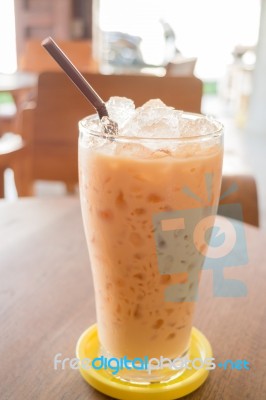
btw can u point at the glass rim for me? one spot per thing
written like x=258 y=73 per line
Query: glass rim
x=217 y=133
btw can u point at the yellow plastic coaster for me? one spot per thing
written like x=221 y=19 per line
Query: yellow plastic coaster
x=188 y=382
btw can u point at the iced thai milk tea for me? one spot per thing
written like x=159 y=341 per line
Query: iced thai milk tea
x=124 y=182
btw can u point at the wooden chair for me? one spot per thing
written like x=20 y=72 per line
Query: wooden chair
x=36 y=59
x=59 y=107
x=8 y=113
x=16 y=158
x=51 y=125
x=241 y=189
x=15 y=153
x=183 y=93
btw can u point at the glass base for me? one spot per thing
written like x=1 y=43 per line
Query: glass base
x=144 y=371
x=88 y=347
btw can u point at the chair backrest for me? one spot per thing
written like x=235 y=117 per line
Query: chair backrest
x=183 y=93
x=36 y=59
x=60 y=106
x=242 y=192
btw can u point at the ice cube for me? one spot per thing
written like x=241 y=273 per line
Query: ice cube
x=108 y=126
x=149 y=122
x=174 y=119
x=120 y=109
x=149 y=116
x=154 y=103
x=162 y=153
x=197 y=127
x=133 y=150
x=121 y=102
x=152 y=111
x=131 y=127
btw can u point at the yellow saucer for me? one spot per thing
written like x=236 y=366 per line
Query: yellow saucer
x=188 y=382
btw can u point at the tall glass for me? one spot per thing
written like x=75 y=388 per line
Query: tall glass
x=128 y=186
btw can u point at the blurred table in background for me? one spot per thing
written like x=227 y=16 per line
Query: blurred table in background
x=17 y=81
x=13 y=152
x=20 y=85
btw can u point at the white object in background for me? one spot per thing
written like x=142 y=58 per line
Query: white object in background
x=8 y=59
x=256 y=124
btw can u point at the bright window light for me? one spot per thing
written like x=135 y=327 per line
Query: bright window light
x=206 y=29
x=8 y=56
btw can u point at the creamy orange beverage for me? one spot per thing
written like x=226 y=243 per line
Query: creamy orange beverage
x=125 y=181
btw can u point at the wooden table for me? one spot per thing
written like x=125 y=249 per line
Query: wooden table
x=47 y=300
x=21 y=86
x=17 y=81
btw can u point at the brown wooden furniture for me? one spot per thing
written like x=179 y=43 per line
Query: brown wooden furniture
x=52 y=125
x=15 y=153
x=36 y=59
x=20 y=85
x=59 y=107
x=8 y=113
x=14 y=148
x=244 y=193
x=47 y=301
x=12 y=153
x=183 y=93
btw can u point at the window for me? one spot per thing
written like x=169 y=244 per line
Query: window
x=8 y=57
x=206 y=29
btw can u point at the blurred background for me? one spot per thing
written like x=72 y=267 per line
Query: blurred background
x=220 y=42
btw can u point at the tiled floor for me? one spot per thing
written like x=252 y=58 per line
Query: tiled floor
x=244 y=153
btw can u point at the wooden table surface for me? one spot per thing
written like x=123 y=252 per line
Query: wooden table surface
x=17 y=81
x=47 y=301
x=22 y=85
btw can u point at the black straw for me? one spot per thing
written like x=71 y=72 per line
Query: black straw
x=76 y=77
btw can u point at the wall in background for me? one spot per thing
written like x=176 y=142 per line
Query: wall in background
x=62 y=19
